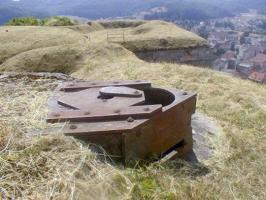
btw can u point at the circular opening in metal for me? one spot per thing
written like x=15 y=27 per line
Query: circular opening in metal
x=158 y=96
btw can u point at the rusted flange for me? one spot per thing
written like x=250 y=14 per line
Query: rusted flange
x=131 y=120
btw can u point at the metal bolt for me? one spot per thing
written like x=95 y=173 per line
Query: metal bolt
x=130 y=119
x=184 y=93
x=116 y=82
x=136 y=92
x=56 y=115
x=73 y=127
x=70 y=85
x=117 y=111
x=146 y=109
x=93 y=83
x=87 y=113
x=104 y=100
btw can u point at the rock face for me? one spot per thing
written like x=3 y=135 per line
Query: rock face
x=203 y=129
x=189 y=55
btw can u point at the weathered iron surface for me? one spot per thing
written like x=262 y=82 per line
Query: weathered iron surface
x=131 y=120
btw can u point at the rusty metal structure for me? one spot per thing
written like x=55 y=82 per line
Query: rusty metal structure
x=131 y=120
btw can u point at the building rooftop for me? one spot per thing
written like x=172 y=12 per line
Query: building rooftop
x=246 y=65
x=258 y=77
x=229 y=55
x=259 y=58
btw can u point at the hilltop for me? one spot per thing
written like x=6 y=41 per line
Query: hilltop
x=69 y=49
x=38 y=162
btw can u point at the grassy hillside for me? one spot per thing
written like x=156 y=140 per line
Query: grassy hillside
x=33 y=21
x=38 y=162
x=66 y=49
x=54 y=166
x=15 y=40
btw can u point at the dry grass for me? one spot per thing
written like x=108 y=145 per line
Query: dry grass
x=38 y=166
x=55 y=167
x=19 y=39
x=63 y=58
x=86 y=29
x=152 y=35
x=66 y=49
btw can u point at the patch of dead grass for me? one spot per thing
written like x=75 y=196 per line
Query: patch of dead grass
x=57 y=167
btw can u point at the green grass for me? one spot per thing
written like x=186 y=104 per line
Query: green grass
x=24 y=21
x=33 y=21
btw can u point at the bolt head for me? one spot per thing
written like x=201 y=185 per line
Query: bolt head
x=56 y=115
x=73 y=127
x=185 y=93
x=130 y=120
x=87 y=113
x=136 y=92
x=117 y=111
x=147 y=109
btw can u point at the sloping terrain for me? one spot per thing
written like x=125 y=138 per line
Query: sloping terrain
x=67 y=49
x=38 y=162
x=153 y=35
x=16 y=39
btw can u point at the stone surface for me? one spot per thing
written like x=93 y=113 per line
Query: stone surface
x=204 y=128
x=190 y=55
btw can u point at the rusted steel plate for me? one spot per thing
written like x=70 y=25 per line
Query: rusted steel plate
x=159 y=135
x=120 y=92
x=127 y=124
x=98 y=128
x=92 y=84
x=97 y=114
x=89 y=99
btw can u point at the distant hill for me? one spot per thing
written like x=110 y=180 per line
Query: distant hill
x=94 y=9
x=66 y=49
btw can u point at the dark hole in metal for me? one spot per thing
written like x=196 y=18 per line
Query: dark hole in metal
x=175 y=147
x=105 y=97
x=158 y=96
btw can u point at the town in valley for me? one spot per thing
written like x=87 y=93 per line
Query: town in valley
x=238 y=43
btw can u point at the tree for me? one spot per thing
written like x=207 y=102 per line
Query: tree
x=203 y=32
x=242 y=40
x=233 y=47
x=220 y=51
x=245 y=34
